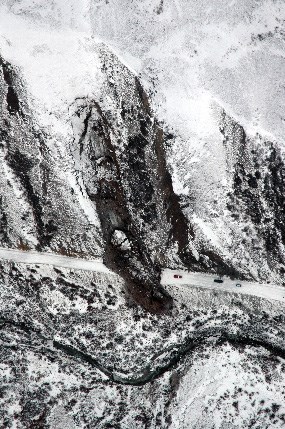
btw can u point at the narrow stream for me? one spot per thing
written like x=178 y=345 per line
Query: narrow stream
x=167 y=358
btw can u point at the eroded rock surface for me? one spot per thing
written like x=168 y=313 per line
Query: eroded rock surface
x=38 y=207
x=256 y=201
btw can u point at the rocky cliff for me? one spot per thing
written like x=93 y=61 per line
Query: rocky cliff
x=35 y=199
x=256 y=199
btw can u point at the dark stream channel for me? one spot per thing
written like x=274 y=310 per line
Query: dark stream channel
x=174 y=354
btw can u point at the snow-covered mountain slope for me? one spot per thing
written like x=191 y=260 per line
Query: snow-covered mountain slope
x=198 y=52
x=198 y=60
x=196 y=73
x=149 y=134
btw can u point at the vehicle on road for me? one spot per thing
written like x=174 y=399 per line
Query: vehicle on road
x=238 y=285
x=177 y=276
x=219 y=280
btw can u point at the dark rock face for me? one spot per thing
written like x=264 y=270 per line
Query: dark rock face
x=125 y=185
x=122 y=160
x=258 y=195
x=21 y=151
x=120 y=148
x=10 y=79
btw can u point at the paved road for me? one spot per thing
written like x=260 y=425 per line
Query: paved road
x=198 y=280
x=54 y=259
x=268 y=291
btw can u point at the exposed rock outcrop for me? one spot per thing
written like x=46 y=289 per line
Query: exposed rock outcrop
x=120 y=165
x=257 y=201
x=34 y=199
x=119 y=150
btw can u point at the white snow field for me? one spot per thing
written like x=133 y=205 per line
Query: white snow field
x=268 y=291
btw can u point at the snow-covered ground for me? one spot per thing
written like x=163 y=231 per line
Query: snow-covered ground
x=194 y=58
x=229 y=388
x=196 y=53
